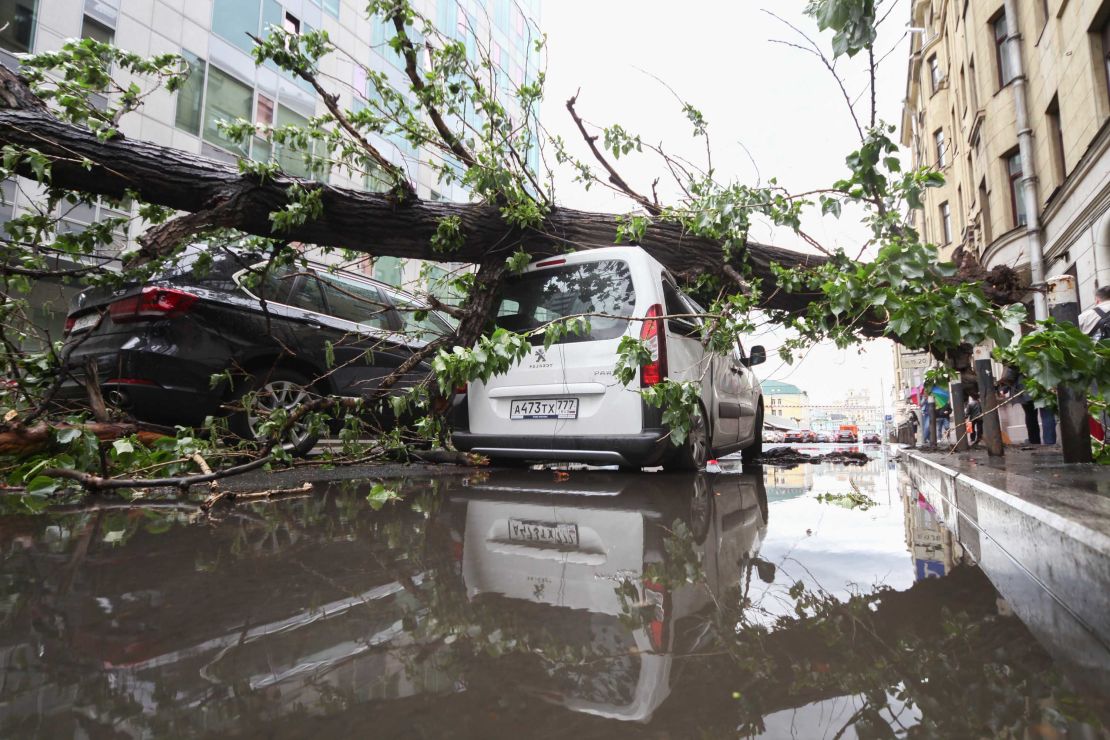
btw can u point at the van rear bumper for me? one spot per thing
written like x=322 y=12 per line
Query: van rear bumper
x=643 y=449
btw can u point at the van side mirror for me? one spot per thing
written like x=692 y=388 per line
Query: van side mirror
x=757 y=356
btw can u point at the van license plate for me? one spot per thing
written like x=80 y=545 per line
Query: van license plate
x=543 y=532
x=544 y=408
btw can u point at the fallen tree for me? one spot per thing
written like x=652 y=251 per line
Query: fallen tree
x=379 y=224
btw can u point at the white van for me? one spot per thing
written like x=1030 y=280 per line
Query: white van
x=564 y=403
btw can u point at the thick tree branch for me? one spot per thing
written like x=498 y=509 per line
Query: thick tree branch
x=331 y=102
x=614 y=176
x=413 y=73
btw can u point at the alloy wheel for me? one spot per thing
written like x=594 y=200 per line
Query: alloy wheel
x=698 y=440
x=274 y=395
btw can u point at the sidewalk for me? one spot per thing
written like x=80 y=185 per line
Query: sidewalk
x=1040 y=529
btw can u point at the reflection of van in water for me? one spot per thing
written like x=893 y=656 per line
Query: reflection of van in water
x=567 y=548
x=564 y=403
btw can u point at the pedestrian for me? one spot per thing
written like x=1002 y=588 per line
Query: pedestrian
x=1095 y=321
x=944 y=420
x=1040 y=423
x=928 y=408
x=973 y=412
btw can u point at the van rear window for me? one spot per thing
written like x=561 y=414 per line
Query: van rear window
x=602 y=289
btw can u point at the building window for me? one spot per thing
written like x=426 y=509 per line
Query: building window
x=946 y=222
x=291 y=24
x=234 y=19
x=985 y=211
x=91 y=29
x=934 y=73
x=290 y=161
x=74 y=218
x=972 y=88
x=940 y=148
x=1056 y=140
x=18 y=20
x=1005 y=67
x=190 y=96
x=332 y=7
x=1017 y=188
x=226 y=99
x=962 y=92
x=1105 y=34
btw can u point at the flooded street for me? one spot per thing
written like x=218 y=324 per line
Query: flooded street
x=813 y=601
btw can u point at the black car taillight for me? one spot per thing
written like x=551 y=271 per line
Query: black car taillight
x=70 y=321
x=152 y=303
x=654 y=337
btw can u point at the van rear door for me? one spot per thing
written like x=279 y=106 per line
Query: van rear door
x=568 y=388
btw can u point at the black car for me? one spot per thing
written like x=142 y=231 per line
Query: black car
x=285 y=333
x=872 y=439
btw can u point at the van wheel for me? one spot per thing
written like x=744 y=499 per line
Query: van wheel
x=279 y=389
x=754 y=451
x=693 y=453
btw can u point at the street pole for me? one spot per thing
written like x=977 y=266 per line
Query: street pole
x=956 y=394
x=992 y=427
x=1075 y=434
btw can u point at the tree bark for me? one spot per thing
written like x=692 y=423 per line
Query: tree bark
x=367 y=222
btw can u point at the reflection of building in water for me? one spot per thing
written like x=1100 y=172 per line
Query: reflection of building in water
x=932 y=546
x=784 y=483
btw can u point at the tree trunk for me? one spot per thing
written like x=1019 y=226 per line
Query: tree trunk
x=373 y=223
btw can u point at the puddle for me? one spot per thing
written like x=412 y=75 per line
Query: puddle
x=816 y=601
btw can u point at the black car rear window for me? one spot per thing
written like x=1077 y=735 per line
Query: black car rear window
x=535 y=299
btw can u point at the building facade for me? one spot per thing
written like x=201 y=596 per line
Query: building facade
x=1010 y=100
x=226 y=84
x=787 y=401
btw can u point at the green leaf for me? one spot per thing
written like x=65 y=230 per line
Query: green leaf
x=66 y=435
x=379 y=496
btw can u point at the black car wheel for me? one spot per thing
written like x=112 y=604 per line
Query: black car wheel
x=268 y=392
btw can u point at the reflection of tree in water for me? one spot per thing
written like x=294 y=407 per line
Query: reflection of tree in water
x=939 y=647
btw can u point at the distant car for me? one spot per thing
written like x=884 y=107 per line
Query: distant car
x=822 y=437
x=810 y=436
x=157 y=345
x=872 y=439
x=794 y=436
x=846 y=437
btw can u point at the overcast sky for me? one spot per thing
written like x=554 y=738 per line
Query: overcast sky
x=773 y=111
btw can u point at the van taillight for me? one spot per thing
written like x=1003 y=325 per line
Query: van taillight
x=152 y=303
x=654 y=338
x=460 y=390
x=655 y=598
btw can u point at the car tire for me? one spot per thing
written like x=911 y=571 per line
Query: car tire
x=282 y=388
x=701 y=508
x=695 y=450
x=754 y=451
